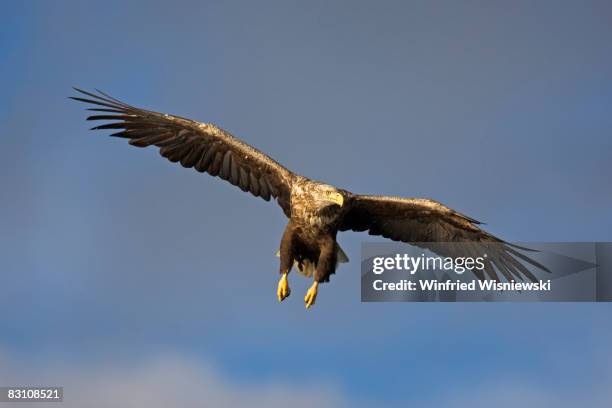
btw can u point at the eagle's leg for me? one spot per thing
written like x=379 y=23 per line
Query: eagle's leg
x=311 y=295
x=283 y=290
x=325 y=267
x=286 y=262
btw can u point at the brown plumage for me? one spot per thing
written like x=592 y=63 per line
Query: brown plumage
x=316 y=211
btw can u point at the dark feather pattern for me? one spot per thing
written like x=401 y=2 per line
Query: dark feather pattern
x=431 y=225
x=310 y=236
x=203 y=146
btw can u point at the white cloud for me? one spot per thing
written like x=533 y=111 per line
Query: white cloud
x=161 y=382
x=169 y=380
x=574 y=387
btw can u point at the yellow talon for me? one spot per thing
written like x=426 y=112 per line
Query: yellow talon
x=283 y=288
x=311 y=295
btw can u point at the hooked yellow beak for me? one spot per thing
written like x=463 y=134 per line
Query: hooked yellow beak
x=335 y=198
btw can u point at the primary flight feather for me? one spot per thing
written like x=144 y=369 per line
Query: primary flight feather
x=316 y=211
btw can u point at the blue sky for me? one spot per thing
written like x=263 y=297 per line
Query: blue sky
x=113 y=259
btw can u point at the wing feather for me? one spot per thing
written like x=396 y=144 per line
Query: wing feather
x=202 y=146
x=431 y=225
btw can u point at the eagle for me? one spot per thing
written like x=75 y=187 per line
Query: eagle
x=316 y=211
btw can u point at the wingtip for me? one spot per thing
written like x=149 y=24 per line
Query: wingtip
x=473 y=220
x=522 y=248
x=76 y=98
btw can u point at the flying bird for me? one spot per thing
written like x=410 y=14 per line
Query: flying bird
x=316 y=210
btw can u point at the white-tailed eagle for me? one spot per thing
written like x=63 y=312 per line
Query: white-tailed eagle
x=316 y=211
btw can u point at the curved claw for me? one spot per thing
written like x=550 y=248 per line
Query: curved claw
x=283 y=290
x=311 y=295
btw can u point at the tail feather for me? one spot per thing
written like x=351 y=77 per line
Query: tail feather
x=341 y=256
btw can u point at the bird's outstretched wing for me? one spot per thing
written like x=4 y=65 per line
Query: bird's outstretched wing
x=431 y=225
x=202 y=146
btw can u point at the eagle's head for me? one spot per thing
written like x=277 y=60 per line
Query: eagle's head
x=318 y=202
x=326 y=196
